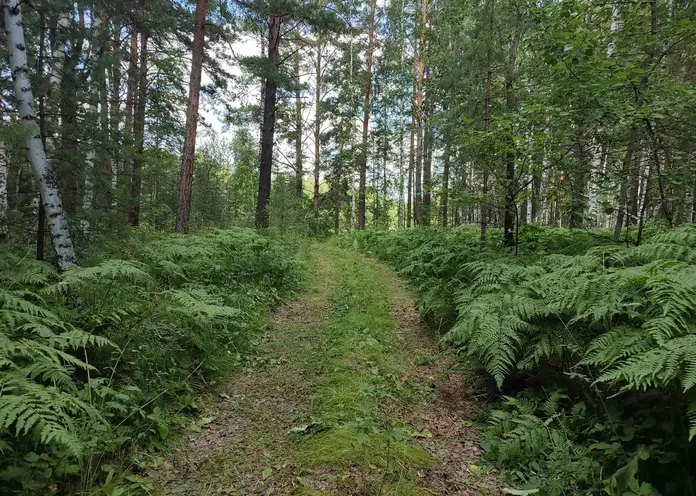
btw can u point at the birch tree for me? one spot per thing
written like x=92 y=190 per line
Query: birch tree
x=41 y=168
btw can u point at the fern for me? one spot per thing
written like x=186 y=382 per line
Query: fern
x=112 y=270
x=673 y=360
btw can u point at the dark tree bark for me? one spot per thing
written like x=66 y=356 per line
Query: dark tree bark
x=189 y=152
x=139 y=135
x=487 y=123
x=317 y=125
x=420 y=73
x=633 y=134
x=444 y=195
x=366 y=118
x=115 y=119
x=427 y=158
x=298 y=123
x=623 y=189
x=68 y=173
x=410 y=213
x=268 y=128
x=510 y=215
x=128 y=142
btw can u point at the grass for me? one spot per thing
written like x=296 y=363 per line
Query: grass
x=319 y=413
x=359 y=374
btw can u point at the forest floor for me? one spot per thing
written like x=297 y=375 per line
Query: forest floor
x=350 y=395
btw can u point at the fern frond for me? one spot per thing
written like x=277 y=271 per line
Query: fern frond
x=673 y=360
x=616 y=345
x=110 y=270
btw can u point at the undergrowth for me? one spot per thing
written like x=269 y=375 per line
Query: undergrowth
x=99 y=364
x=359 y=379
x=592 y=342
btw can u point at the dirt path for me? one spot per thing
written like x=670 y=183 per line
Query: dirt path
x=350 y=396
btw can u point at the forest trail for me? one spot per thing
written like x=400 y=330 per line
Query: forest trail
x=349 y=396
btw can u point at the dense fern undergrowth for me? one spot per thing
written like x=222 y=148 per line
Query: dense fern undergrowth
x=99 y=365
x=592 y=346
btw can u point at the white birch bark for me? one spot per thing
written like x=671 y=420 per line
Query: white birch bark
x=58 y=55
x=56 y=75
x=43 y=172
x=616 y=25
x=89 y=171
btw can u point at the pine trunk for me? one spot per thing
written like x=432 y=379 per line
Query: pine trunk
x=268 y=128
x=139 y=134
x=189 y=152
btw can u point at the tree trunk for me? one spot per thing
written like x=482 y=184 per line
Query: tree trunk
x=487 y=123
x=420 y=72
x=427 y=157
x=444 y=195
x=644 y=205
x=410 y=211
x=510 y=215
x=536 y=194
x=58 y=55
x=623 y=189
x=139 y=132
x=115 y=119
x=338 y=191
x=43 y=173
x=633 y=135
x=131 y=95
x=578 y=187
x=317 y=125
x=67 y=167
x=366 y=118
x=189 y=152
x=298 y=124
x=4 y=172
x=268 y=129
x=93 y=121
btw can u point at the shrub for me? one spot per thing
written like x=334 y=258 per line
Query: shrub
x=613 y=325
x=102 y=357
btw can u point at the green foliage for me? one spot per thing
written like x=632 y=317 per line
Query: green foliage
x=615 y=325
x=107 y=356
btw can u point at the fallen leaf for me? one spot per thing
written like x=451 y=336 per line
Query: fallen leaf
x=266 y=473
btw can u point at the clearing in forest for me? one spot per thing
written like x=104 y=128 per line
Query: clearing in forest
x=349 y=396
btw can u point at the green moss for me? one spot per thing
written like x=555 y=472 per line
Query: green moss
x=357 y=381
x=345 y=446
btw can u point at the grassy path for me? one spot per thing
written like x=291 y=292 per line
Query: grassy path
x=350 y=397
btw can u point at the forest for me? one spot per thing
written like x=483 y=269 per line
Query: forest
x=370 y=248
